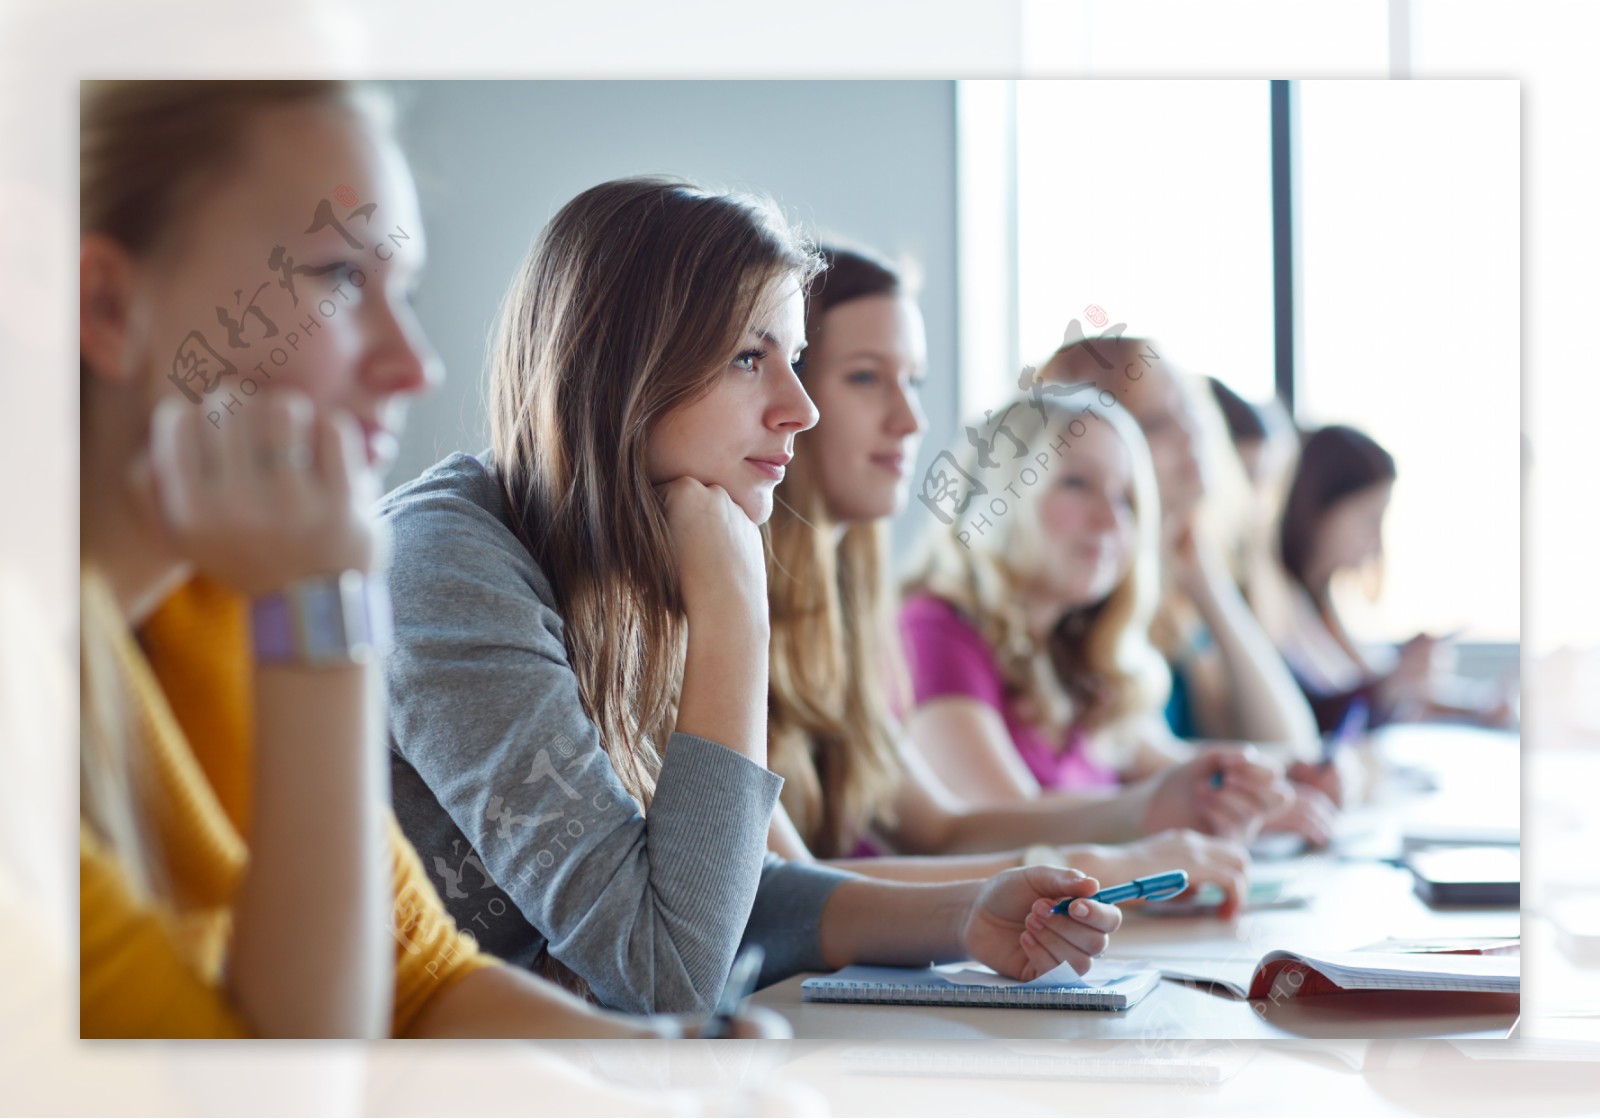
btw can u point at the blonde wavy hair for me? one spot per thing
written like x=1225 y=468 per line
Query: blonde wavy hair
x=1107 y=364
x=1096 y=667
x=834 y=673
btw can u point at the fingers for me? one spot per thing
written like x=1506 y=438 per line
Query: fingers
x=285 y=454
x=1326 y=779
x=1234 y=808
x=1075 y=938
x=1232 y=856
x=689 y=501
x=1060 y=882
x=1247 y=769
x=676 y=487
x=1210 y=861
x=1242 y=770
x=1314 y=815
x=341 y=459
x=1233 y=883
x=178 y=465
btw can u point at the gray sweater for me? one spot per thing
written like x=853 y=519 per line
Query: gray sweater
x=501 y=783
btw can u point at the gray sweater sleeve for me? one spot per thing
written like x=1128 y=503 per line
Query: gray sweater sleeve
x=485 y=708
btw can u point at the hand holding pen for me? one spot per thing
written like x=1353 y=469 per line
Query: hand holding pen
x=1325 y=774
x=1226 y=791
x=1242 y=790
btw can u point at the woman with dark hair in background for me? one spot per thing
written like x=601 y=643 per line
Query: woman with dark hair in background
x=1333 y=522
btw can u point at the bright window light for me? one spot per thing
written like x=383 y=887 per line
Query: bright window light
x=1410 y=281
x=1150 y=201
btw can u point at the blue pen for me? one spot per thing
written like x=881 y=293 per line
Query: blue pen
x=1351 y=727
x=1153 y=887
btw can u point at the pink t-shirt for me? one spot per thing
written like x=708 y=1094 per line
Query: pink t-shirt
x=948 y=657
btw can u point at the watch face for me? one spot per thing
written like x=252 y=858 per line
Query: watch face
x=323 y=609
x=330 y=620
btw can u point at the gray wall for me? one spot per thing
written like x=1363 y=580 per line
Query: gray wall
x=872 y=161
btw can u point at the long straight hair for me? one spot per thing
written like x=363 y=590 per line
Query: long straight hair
x=834 y=667
x=630 y=304
x=1336 y=462
x=145 y=148
x=1096 y=667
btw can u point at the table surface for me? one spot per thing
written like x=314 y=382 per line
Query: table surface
x=1356 y=900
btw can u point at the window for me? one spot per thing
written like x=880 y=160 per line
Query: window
x=1409 y=323
x=1152 y=202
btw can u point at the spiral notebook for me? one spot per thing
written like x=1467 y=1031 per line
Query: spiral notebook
x=1107 y=987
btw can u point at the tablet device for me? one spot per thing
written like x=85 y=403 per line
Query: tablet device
x=1467 y=875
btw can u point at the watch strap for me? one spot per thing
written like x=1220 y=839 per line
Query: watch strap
x=322 y=621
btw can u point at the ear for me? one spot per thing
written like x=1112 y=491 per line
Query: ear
x=106 y=296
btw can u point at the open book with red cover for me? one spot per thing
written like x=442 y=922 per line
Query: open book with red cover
x=1488 y=966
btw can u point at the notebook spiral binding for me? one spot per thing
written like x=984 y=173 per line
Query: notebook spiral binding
x=911 y=994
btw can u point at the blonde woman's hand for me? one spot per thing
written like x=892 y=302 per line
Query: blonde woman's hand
x=1197 y=568
x=721 y=562
x=1331 y=779
x=278 y=492
x=1206 y=859
x=1223 y=791
x=1311 y=815
x=1412 y=678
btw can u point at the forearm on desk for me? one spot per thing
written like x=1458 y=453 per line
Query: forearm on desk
x=1054 y=818
x=502 y=1001
x=895 y=923
x=932 y=820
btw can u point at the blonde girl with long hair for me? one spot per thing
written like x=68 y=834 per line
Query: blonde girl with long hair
x=1228 y=681
x=853 y=791
x=580 y=675
x=240 y=871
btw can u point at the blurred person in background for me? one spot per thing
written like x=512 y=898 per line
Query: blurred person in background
x=1331 y=526
x=1228 y=680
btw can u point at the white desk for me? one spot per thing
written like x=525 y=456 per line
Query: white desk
x=1356 y=903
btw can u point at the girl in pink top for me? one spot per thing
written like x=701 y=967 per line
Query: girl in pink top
x=949 y=657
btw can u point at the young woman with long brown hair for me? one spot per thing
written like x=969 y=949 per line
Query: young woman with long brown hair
x=850 y=786
x=580 y=677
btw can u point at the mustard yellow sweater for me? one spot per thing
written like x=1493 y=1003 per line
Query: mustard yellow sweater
x=154 y=969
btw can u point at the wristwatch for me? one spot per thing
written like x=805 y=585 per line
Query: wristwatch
x=323 y=621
